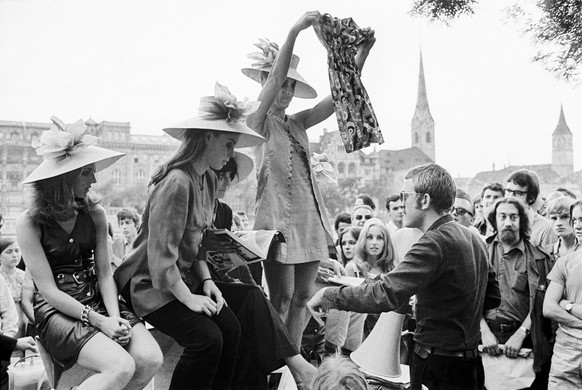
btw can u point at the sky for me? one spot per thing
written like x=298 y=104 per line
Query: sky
x=149 y=62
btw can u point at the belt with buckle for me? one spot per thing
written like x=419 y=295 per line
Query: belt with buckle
x=506 y=327
x=74 y=277
x=423 y=352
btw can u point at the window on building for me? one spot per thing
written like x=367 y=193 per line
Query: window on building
x=352 y=169
x=14 y=177
x=135 y=160
x=116 y=176
x=14 y=136
x=428 y=138
x=140 y=176
x=416 y=138
x=340 y=168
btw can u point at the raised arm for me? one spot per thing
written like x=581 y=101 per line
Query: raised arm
x=278 y=74
x=325 y=108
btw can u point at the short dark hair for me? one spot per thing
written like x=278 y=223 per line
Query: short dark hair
x=230 y=168
x=367 y=201
x=392 y=198
x=578 y=203
x=524 y=230
x=434 y=180
x=495 y=187
x=128 y=213
x=342 y=217
x=526 y=178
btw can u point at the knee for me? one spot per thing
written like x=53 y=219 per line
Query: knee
x=148 y=360
x=210 y=344
x=122 y=368
x=300 y=298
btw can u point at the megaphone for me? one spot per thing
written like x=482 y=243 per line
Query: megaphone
x=379 y=354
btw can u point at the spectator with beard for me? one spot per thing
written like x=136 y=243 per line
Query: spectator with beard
x=517 y=263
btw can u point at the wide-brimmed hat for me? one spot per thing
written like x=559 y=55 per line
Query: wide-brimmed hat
x=65 y=148
x=266 y=58
x=221 y=112
x=244 y=167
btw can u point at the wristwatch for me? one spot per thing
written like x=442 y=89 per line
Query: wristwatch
x=568 y=307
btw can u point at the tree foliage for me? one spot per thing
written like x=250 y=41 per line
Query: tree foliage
x=554 y=26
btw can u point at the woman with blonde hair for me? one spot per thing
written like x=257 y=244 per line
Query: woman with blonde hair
x=63 y=237
x=288 y=197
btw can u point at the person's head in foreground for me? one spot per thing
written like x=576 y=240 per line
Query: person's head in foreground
x=339 y=373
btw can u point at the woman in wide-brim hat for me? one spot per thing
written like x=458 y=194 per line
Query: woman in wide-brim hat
x=165 y=275
x=288 y=198
x=63 y=238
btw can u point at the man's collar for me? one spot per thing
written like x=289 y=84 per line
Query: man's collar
x=441 y=221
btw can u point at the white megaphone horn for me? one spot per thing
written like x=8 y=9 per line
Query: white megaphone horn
x=379 y=354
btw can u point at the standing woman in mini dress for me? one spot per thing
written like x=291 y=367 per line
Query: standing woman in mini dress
x=63 y=237
x=165 y=277
x=288 y=198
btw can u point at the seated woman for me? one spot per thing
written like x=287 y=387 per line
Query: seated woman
x=265 y=343
x=165 y=276
x=64 y=244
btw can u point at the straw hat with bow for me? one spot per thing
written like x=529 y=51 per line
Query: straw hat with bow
x=65 y=148
x=265 y=60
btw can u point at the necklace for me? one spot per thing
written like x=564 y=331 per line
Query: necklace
x=278 y=119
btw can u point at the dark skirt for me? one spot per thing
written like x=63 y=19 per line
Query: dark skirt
x=62 y=336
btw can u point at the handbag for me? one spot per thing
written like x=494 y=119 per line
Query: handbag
x=542 y=330
x=27 y=374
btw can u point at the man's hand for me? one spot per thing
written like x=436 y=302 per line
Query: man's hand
x=513 y=345
x=338 y=268
x=26 y=343
x=490 y=343
x=314 y=304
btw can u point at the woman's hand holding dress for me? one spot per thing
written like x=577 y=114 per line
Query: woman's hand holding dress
x=201 y=304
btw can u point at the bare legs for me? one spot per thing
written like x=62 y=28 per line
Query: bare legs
x=290 y=287
x=116 y=367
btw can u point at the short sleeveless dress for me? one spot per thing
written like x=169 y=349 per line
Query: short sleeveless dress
x=70 y=257
x=292 y=209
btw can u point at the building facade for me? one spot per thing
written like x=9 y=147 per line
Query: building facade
x=18 y=158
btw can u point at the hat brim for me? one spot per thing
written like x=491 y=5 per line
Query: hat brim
x=244 y=167
x=302 y=90
x=91 y=155
x=248 y=137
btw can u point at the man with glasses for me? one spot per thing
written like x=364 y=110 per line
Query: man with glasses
x=523 y=184
x=395 y=212
x=361 y=214
x=463 y=211
x=453 y=281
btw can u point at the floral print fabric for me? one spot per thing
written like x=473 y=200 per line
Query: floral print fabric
x=357 y=122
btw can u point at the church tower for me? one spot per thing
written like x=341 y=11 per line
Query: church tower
x=422 y=122
x=562 y=147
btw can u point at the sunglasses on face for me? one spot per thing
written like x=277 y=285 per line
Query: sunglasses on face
x=516 y=193
x=358 y=217
x=461 y=211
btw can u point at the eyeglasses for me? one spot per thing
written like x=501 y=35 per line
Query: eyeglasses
x=403 y=198
x=360 y=216
x=517 y=193
x=461 y=211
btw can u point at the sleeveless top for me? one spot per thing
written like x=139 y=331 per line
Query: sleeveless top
x=68 y=253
